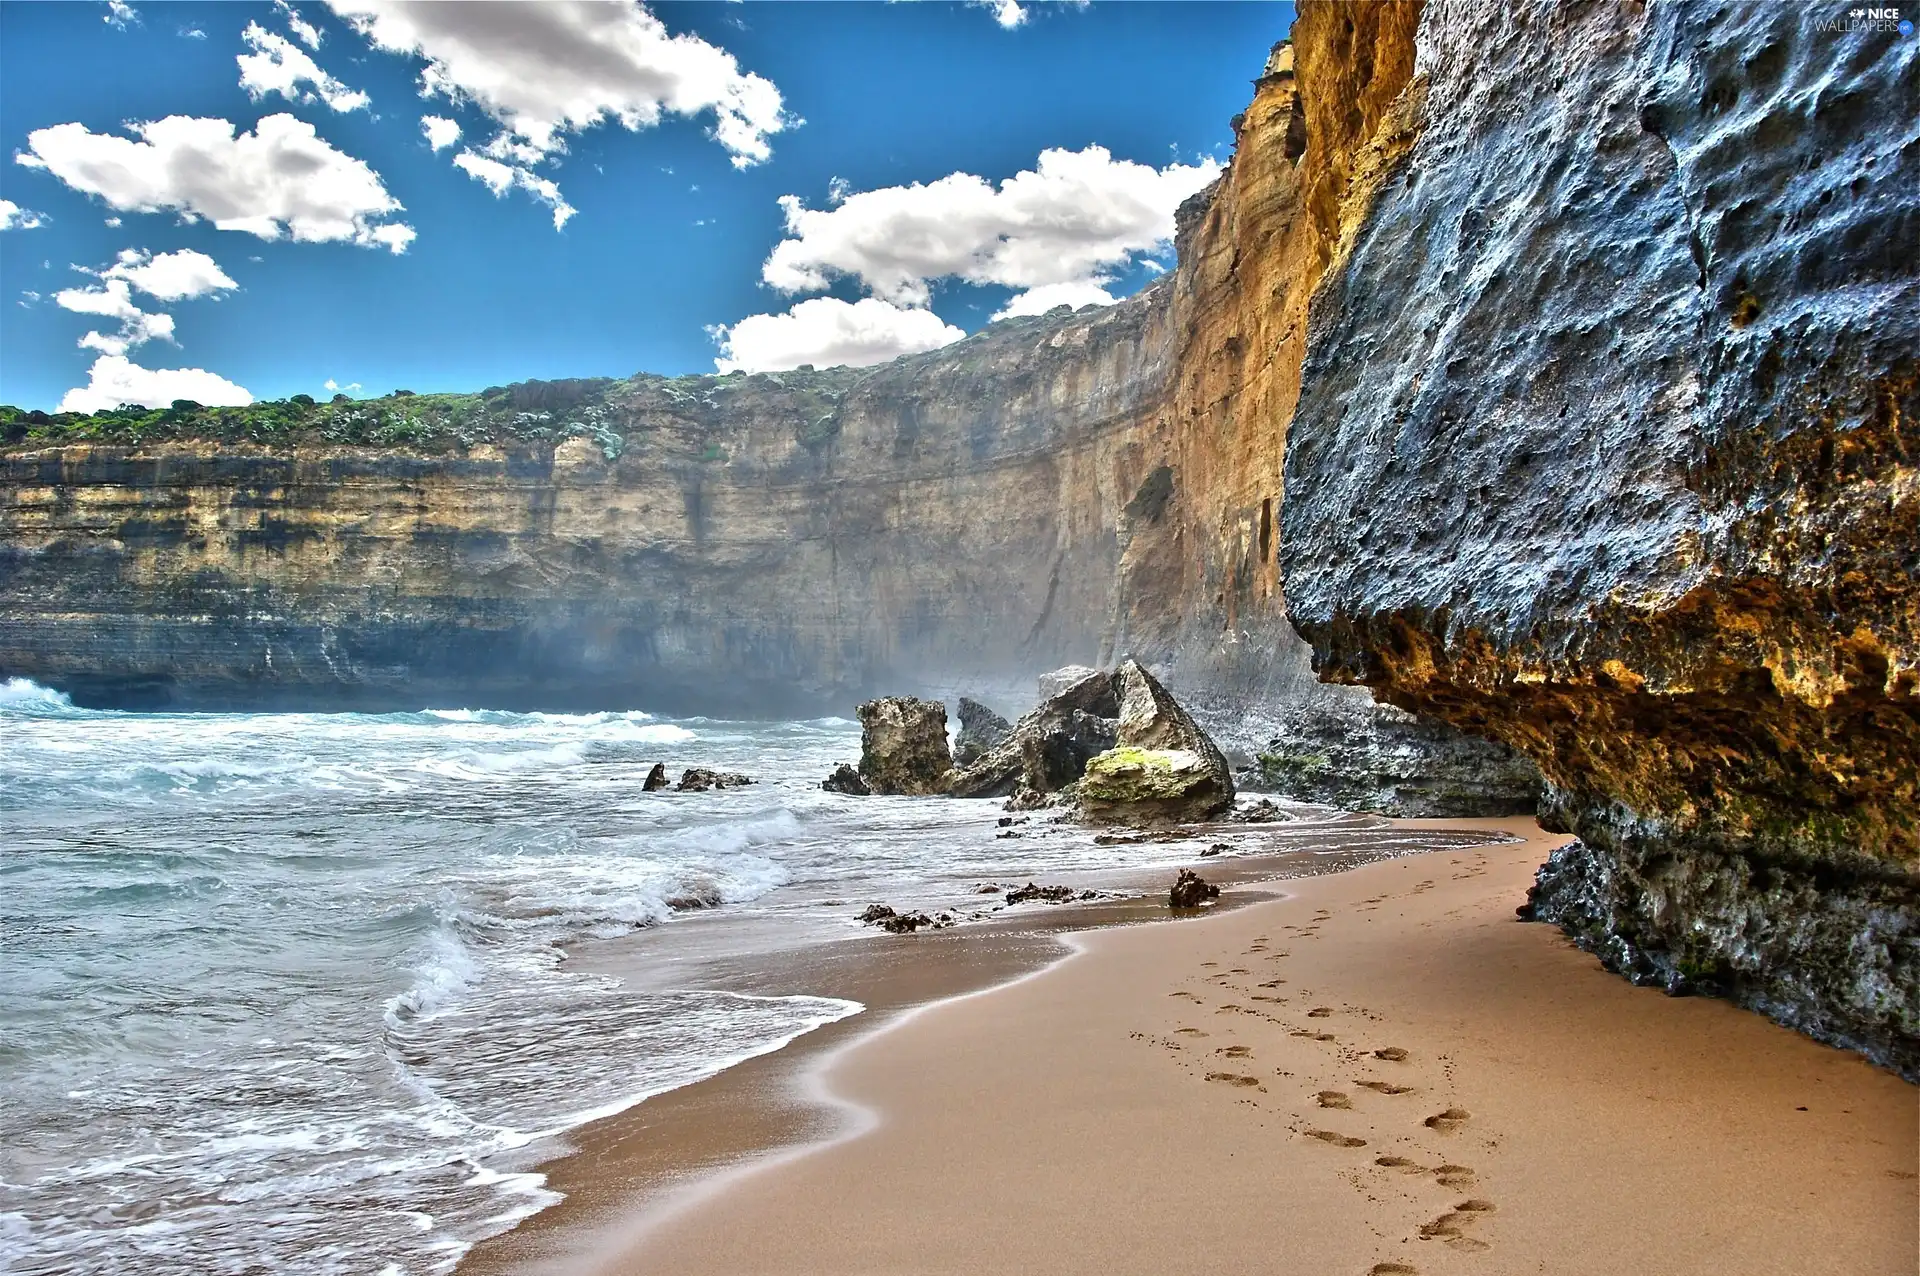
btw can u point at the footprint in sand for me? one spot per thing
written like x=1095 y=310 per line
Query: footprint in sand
x=1189 y=996
x=1332 y=1099
x=1190 y=1032
x=1400 y=1163
x=1453 y=1176
x=1273 y=983
x=1448 y=1121
x=1235 y=1052
x=1320 y=1012
x=1451 y=1226
x=1338 y=1140
x=1392 y=1054
x=1383 y=1087
x=1234 y=1078
x=1392 y=1269
x=1313 y=1036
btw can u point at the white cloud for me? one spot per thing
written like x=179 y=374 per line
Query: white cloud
x=440 y=131
x=14 y=217
x=113 y=223
x=192 y=33
x=114 y=380
x=500 y=178
x=282 y=179
x=1037 y=301
x=304 y=31
x=278 y=65
x=1076 y=217
x=1007 y=13
x=175 y=276
x=827 y=332
x=546 y=70
x=113 y=299
x=120 y=14
x=335 y=387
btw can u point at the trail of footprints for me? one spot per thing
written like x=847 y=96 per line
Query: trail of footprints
x=1398 y=1142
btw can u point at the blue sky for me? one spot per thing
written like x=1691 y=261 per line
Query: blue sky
x=677 y=234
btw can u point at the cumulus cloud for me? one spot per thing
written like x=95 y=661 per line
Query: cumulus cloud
x=1037 y=301
x=278 y=65
x=114 y=380
x=14 y=217
x=440 y=131
x=1008 y=13
x=176 y=276
x=1075 y=218
x=303 y=31
x=501 y=178
x=281 y=180
x=544 y=70
x=827 y=332
x=120 y=14
x=335 y=387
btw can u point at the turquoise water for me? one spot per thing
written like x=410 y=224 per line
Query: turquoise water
x=291 y=992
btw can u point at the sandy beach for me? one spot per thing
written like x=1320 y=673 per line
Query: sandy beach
x=1382 y=1072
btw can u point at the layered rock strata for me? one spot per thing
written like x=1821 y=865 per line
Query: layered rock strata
x=1606 y=450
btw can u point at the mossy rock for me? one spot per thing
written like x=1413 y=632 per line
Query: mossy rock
x=1151 y=786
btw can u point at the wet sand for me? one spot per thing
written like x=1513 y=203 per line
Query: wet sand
x=1382 y=1072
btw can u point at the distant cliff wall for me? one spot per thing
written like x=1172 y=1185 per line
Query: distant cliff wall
x=762 y=545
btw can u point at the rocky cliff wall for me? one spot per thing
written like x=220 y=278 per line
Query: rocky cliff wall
x=1607 y=450
x=768 y=544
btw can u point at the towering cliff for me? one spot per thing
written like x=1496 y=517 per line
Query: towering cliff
x=1606 y=449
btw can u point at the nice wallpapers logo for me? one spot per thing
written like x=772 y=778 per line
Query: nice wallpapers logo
x=1883 y=20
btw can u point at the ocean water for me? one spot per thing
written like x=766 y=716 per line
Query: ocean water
x=291 y=992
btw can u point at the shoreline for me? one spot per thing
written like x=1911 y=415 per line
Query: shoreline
x=979 y=1129
x=610 y=1171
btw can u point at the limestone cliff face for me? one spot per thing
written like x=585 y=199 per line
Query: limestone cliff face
x=762 y=545
x=1606 y=449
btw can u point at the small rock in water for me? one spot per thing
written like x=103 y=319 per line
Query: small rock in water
x=1262 y=812
x=698 y=779
x=875 y=913
x=846 y=780
x=656 y=778
x=1048 y=894
x=1190 y=890
x=1006 y=833
x=907 y=923
x=1216 y=849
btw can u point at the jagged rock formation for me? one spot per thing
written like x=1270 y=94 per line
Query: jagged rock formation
x=1163 y=769
x=903 y=746
x=980 y=730
x=1606 y=450
x=1049 y=748
x=1396 y=763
